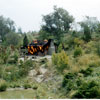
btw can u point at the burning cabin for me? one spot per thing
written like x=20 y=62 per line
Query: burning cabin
x=41 y=48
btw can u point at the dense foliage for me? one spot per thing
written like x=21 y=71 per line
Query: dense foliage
x=56 y=24
x=78 y=51
x=72 y=72
x=25 y=41
x=60 y=60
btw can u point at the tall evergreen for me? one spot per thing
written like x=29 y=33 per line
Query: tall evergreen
x=25 y=41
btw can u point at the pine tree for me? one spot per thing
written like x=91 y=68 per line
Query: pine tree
x=25 y=41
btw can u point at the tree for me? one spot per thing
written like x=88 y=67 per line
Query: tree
x=12 y=39
x=6 y=26
x=98 y=29
x=87 y=32
x=57 y=23
x=89 y=25
x=20 y=30
x=43 y=35
x=91 y=22
x=25 y=41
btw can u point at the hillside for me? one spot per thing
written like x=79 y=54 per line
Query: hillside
x=69 y=68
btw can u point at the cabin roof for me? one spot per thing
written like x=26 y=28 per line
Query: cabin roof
x=38 y=42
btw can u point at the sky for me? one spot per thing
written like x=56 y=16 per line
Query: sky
x=27 y=14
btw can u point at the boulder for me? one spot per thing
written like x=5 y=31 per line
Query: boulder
x=32 y=73
x=21 y=59
x=39 y=78
x=43 y=70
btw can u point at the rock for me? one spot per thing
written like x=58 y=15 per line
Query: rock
x=32 y=73
x=39 y=78
x=29 y=58
x=48 y=79
x=43 y=70
x=43 y=66
x=21 y=59
x=9 y=73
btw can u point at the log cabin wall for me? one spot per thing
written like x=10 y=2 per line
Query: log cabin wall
x=41 y=48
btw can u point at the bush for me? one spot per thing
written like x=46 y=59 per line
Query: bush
x=86 y=72
x=28 y=64
x=77 y=51
x=25 y=41
x=15 y=56
x=78 y=42
x=4 y=54
x=1 y=71
x=24 y=67
x=23 y=72
x=12 y=76
x=88 y=90
x=87 y=32
x=68 y=81
x=26 y=86
x=14 y=85
x=60 y=60
x=66 y=77
x=60 y=47
x=3 y=85
x=12 y=39
x=94 y=64
x=98 y=48
x=11 y=73
x=35 y=87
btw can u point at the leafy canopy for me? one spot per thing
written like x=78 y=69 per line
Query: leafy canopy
x=56 y=24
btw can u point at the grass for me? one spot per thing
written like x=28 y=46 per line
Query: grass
x=84 y=68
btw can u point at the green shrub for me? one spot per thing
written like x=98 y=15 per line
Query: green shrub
x=4 y=54
x=13 y=59
x=86 y=72
x=94 y=64
x=11 y=73
x=87 y=33
x=26 y=86
x=66 y=78
x=60 y=60
x=13 y=76
x=15 y=56
x=88 y=90
x=14 y=85
x=35 y=87
x=69 y=82
x=28 y=64
x=77 y=51
x=98 y=48
x=23 y=72
x=24 y=67
x=3 y=85
x=60 y=47
x=1 y=71
x=78 y=42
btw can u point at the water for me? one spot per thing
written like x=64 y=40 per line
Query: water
x=18 y=94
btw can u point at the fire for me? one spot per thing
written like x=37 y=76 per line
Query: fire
x=40 y=47
x=35 y=49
